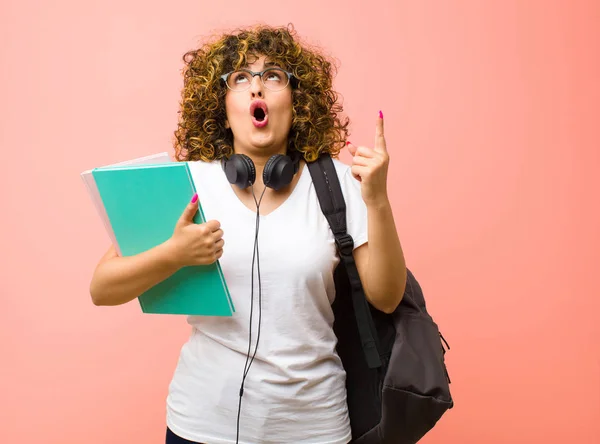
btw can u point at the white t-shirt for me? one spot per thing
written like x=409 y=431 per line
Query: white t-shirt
x=295 y=388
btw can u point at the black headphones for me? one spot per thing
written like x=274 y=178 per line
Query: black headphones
x=278 y=172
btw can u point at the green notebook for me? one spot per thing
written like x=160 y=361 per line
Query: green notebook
x=143 y=204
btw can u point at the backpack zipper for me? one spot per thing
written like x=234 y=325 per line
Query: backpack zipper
x=444 y=352
x=442 y=338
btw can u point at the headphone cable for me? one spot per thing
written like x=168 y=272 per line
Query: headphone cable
x=255 y=255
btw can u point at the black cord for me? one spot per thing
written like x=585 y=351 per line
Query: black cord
x=255 y=256
x=259 y=279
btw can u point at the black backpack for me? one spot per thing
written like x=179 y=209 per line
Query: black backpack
x=398 y=388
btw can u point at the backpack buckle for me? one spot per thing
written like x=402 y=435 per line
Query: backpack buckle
x=345 y=243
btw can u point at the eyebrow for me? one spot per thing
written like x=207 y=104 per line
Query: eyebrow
x=268 y=63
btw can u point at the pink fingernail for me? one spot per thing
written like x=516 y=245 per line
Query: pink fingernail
x=195 y=198
x=380 y=115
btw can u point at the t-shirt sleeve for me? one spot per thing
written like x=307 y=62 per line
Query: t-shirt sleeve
x=356 y=210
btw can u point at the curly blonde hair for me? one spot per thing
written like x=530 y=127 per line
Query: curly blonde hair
x=316 y=123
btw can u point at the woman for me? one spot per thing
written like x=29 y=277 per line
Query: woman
x=260 y=93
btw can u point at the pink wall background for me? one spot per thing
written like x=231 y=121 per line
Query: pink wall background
x=492 y=114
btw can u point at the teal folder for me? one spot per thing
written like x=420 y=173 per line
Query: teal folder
x=143 y=203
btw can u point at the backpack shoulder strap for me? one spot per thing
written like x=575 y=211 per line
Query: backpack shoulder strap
x=333 y=205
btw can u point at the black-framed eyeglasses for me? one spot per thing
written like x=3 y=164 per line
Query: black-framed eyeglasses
x=274 y=79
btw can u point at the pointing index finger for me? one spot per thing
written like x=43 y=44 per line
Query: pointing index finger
x=379 y=137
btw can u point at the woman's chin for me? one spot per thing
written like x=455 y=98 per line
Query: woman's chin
x=262 y=141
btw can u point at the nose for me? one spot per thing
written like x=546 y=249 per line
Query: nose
x=257 y=87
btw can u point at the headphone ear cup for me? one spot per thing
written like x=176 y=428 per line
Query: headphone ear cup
x=278 y=172
x=239 y=170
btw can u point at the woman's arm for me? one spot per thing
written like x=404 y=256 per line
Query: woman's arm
x=380 y=262
x=118 y=280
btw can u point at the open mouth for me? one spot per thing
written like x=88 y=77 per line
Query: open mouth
x=259 y=113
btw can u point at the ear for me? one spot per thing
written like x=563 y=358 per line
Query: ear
x=227 y=124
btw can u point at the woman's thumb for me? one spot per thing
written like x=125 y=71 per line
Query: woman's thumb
x=187 y=216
